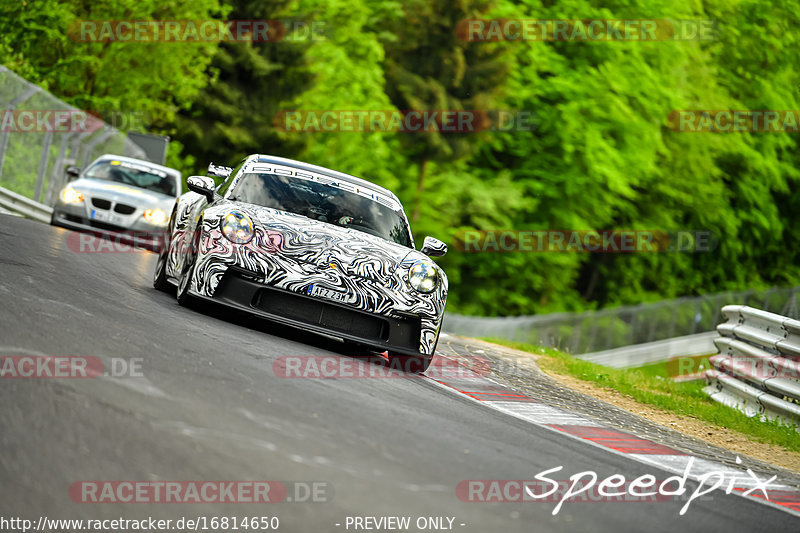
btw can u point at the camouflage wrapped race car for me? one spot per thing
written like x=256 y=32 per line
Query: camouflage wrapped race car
x=309 y=247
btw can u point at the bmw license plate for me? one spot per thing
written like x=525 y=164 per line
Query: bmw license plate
x=330 y=294
x=102 y=216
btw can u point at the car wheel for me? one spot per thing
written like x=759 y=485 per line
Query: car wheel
x=160 y=276
x=182 y=295
x=412 y=364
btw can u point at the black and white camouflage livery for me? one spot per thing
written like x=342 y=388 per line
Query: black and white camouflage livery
x=305 y=272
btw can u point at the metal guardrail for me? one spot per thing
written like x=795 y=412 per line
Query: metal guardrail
x=34 y=152
x=757 y=370
x=16 y=203
x=653 y=352
x=591 y=332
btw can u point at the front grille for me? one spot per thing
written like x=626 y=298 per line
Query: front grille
x=101 y=204
x=321 y=313
x=243 y=288
x=124 y=209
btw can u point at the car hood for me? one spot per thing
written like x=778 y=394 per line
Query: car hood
x=329 y=246
x=121 y=193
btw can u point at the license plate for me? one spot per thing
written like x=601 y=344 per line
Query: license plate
x=102 y=216
x=322 y=292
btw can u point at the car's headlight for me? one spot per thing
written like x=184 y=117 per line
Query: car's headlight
x=71 y=196
x=423 y=276
x=237 y=227
x=157 y=217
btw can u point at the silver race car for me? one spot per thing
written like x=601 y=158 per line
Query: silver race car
x=126 y=198
x=309 y=247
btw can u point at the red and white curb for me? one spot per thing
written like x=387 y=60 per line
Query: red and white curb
x=483 y=390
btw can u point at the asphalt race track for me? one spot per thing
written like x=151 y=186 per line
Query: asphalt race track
x=210 y=407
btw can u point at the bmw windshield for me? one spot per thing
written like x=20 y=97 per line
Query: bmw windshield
x=325 y=203
x=135 y=175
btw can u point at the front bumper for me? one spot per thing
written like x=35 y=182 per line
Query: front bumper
x=139 y=234
x=397 y=334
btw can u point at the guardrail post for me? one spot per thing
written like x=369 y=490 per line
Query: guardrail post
x=87 y=153
x=10 y=107
x=790 y=309
x=57 y=174
x=48 y=140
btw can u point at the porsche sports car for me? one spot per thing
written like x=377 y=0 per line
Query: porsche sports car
x=308 y=247
x=128 y=198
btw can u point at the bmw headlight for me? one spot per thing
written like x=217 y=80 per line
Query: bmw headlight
x=71 y=196
x=237 y=227
x=157 y=217
x=423 y=276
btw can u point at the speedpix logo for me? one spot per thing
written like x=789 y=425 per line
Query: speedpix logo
x=589 y=487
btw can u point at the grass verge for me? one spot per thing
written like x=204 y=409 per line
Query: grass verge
x=651 y=385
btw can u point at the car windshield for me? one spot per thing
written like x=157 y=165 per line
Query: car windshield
x=325 y=203
x=134 y=174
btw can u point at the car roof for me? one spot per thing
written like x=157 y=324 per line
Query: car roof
x=115 y=157
x=260 y=158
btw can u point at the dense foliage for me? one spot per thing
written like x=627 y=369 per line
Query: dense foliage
x=600 y=155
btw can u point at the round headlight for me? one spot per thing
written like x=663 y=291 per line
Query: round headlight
x=156 y=217
x=423 y=276
x=71 y=196
x=237 y=227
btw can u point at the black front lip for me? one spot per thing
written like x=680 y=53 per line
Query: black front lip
x=238 y=292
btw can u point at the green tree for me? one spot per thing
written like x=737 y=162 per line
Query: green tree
x=233 y=117
x=429 y=67
x=40 y=40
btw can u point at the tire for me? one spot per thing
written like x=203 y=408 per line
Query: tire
x=160 y=275
x=412 y=364
x=182 y=294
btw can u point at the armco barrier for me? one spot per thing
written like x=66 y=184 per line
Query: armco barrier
x=628 y=335
x=757 y=369
x=33 y=159
x=653 y=352
x=16 y=203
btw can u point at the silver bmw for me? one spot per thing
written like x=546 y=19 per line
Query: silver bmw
x=128 y=199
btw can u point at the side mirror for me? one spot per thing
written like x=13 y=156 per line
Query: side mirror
x=73 y=172
x=433 y=247
x=201 y=185
x=218 y=171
